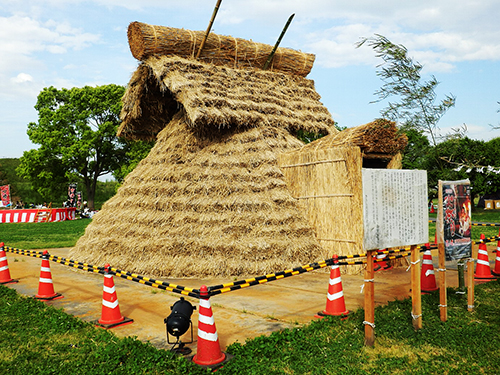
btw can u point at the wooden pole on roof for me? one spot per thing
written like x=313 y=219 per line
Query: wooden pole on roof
x=271 y=55
x=214 y=14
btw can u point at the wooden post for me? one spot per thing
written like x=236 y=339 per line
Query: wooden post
x=216 y=9
x=416 y=294
x=369 y=299
x=443 y=307
x=470 y=286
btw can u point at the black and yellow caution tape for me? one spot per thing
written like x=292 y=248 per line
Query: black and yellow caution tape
x=123 y=274
x=157 y=283
x=343 y=260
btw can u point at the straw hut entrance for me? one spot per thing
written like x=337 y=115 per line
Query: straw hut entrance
x=325 y=177
x=209 y=199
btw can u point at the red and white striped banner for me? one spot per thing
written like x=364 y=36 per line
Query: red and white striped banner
x=37 y=215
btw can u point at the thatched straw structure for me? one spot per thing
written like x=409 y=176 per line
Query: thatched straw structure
x=150 y=40
x=209 y=199
x=334 y=202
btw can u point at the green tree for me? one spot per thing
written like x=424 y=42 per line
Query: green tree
x=417 y=108
x=76 y=131
x=473 y=159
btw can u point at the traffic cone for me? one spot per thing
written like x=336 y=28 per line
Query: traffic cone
x=110 y=313
x=427 y=277
x=483 y=270
x=45 y=286
x=432 y=208
x=335 y=303
x=382 y=265
x=208 y=353
x=4 y=267
x=496 y=270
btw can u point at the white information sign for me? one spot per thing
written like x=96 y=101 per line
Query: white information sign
x=394 y=208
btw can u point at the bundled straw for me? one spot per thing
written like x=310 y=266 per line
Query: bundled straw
x=147 y=40
x=380 y=136
x=209 y=199
x=204 y=205
x=215 y=97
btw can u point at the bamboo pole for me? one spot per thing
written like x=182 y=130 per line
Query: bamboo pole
x=369 y=299
x=416 y=294
x=470 y=286
x=214 y=14
x=271 y=55
x=443 y=308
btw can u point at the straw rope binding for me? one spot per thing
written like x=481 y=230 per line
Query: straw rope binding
x=149 y=40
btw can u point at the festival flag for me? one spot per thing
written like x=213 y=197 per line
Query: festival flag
x=5 y=194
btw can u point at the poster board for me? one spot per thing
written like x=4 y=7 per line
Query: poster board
x=454 y=219
x=394 y=208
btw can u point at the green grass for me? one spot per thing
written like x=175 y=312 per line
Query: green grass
x=465 y=344
x=43 y=235
x=38 y=339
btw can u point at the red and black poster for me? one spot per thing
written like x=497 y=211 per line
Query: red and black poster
x=456 y=219
x=5 y=195
x=71 y=201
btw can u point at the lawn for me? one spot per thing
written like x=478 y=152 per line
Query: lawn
x=37 y=339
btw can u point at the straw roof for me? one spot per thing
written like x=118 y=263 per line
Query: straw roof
x=209 y=199
x=214 y=97
x=377 y=137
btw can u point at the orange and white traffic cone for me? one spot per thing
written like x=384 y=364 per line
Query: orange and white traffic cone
x=4 y=267
x=46 y=286
x=208 y=353
x=335 y=303
x=110 y=313
x=427 y=277
x=483 y=270
x=496 y=270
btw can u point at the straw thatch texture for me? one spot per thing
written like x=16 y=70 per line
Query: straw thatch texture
x=327 y=182
x=377 y=137
x=209 y=199
x=149 y=40
x=334 y=202
x=204 y=205
x=215 y=97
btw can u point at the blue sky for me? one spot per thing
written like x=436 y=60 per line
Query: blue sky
x=68 y=43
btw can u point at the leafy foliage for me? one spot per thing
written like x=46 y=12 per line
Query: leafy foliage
x=76 y=131
x=417 y=108
x=20 y=188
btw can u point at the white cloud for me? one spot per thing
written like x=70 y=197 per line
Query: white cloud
x=21 y=78
x=22 y=37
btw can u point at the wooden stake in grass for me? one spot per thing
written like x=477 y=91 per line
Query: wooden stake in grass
x=443 y=308
x=369 y=288
x=416 y=295
x=470 y=284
